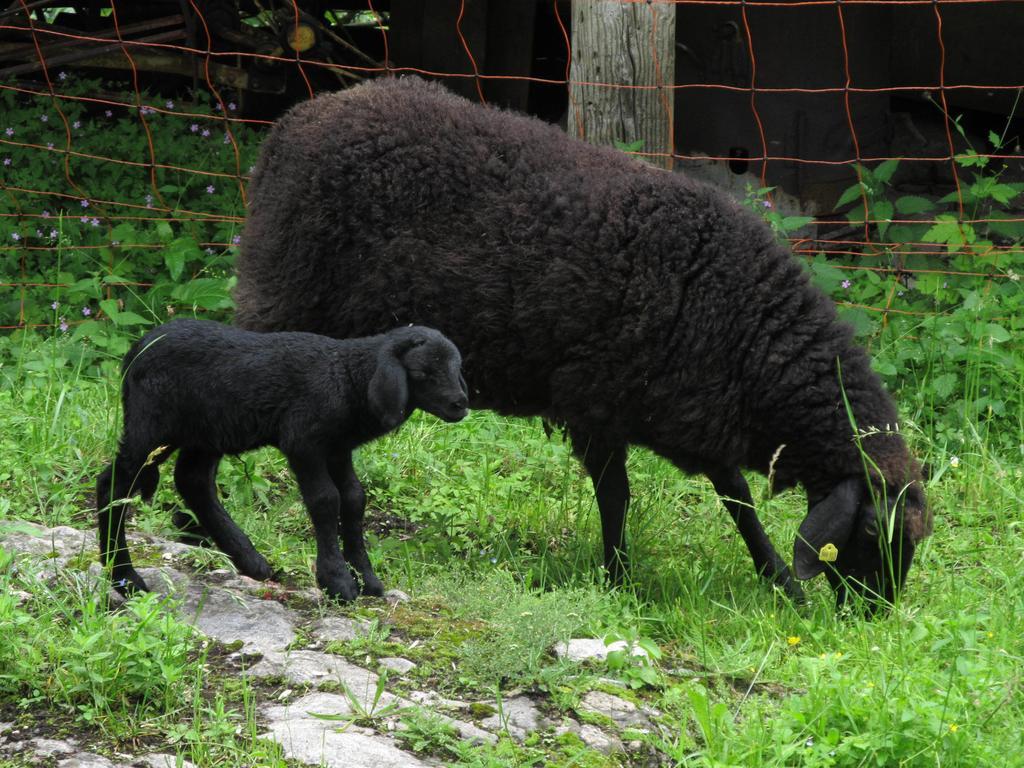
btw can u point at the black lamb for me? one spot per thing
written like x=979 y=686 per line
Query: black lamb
x=627 y=304
x=210 y=390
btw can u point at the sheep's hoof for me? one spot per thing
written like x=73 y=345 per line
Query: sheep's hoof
x=345 y=591
x=784 y=580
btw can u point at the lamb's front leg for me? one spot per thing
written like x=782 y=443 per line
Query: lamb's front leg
x=323 y=503
x=353 y=507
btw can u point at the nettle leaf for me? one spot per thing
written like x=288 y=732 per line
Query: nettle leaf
x=204 y=292
x=947 y=229
x=164 y=232
x=793 y=223
x=129 y=318
x=177 y=253
x=882 y=212
x=826 y=276
x=852 y=193
x=1012 y=228
x=997 y=333
x=913 y=204
x=884 y=170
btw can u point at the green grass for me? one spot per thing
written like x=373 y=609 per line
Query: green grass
x=493 y=530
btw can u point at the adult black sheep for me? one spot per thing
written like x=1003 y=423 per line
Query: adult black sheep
x=630 y=305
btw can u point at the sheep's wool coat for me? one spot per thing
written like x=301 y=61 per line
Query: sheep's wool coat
x=625 y=302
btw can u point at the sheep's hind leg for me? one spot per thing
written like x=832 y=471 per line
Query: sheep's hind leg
x=323 y=502
x=133 y=471
x=196 y=479
x=735 y=494
x=606 y=465
x=353 y=508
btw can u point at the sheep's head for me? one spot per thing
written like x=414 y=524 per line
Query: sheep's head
x=862 y=534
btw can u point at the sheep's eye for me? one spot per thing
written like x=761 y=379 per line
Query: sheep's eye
x=417 y=375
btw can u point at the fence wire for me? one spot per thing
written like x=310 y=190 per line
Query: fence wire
x=205 y=142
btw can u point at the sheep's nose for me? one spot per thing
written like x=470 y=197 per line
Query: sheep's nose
x=460 y=403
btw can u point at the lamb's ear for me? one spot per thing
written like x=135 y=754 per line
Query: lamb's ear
x=388 y=393
x=829 y=522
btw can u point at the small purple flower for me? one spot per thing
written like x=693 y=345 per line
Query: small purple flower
x=63 y=325
x=77 y=124
x=209 y=251
x=148 y=198
x=252 y=168
x=44 y=118
x=84 y=203
x=108 y=113
x=846 y=284
x=227 y=139
x=194 y=127
x=7 y=161
x=115 y=243
x=84 y=219
x=15 y=236
x=63 y=75
x=49 y=145
x=54 y=305
x=236 y=239
x=231 y=106
x=146 y=111
x=217 y=107
x=39 y=233
x=95 y=222
x=205 y=132
x=210 y=189
x=9 y=131
x=45 y=214
x=766 y=203
x=170 y=104
x=86 y=311
x=53 y=234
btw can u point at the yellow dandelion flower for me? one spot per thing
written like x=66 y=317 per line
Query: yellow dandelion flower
x=953 y=727
x=793 y=639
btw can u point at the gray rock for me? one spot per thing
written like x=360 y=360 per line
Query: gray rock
x=592 y=649
x=597 y=739
x=86 y=760
x=160 y=760
x=52 y=747
x=262 y=625
x=313 y=741
x=398 y=664
x=331 y=629
x=518 y=716
x=316 y=668
x=622 y=712
x=396 y=596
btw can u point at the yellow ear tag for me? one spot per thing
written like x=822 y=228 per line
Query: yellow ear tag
x=828 y=553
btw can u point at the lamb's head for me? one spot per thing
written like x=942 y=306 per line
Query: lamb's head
x=862 y=534
x=418 y=367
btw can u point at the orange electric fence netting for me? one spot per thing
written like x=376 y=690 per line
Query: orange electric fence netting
x=106 y=188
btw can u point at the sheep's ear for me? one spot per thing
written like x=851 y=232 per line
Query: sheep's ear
x=826 y=529
x=388 y=394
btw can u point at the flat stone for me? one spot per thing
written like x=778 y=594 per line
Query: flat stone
x=331 y=629
x=396 y=596
x=518 y=716
x=262 y=625
x=160 y=760
x=592 y=649
x=313 y=741
x=86 y=760
x=622 y=712
x=597 y=739
x=398 y=664
x=52 y=747
x=316 y=668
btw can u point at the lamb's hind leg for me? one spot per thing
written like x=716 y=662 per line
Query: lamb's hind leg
x=735 y=494
x=135 y=470
x=195 y=477
x=353 y=507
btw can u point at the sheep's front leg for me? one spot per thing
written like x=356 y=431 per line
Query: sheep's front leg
x=606 y=465
x=353 y=508
x=323 y=504
x=735 y=494
x=115 y=485
x=196 y=479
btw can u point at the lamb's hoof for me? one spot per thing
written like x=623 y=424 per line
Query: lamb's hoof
x=255 y=567
x=128 y=582
x=345 y=590
x=372 y=586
